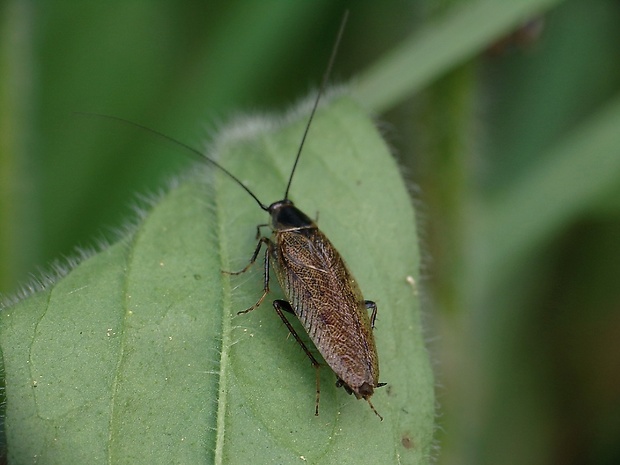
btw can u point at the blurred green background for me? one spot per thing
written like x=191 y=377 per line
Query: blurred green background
x=511 y=147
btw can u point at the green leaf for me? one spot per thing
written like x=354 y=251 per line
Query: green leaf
x=138 y=354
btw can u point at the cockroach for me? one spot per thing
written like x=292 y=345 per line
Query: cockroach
x=319 y=288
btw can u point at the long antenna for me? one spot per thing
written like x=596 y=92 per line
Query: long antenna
x=328 y=71
x=191 y=149
x=204 y=157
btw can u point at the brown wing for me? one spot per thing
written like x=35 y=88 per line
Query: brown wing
x=329 y=303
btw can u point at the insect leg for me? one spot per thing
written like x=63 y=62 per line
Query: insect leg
x=342 y=384
x=268 y=251
x=280 y=305
x=371 y=305
x=253 y=259
x=264 y=225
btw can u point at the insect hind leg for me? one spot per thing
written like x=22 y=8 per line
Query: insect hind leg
x=280 y=305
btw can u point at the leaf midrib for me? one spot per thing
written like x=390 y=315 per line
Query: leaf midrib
x=121 y=354
x=222 y=398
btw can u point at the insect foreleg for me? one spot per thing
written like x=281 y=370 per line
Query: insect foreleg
x=280 y=305
x=371 y=305
x=254 y=255
x=258 y=234
x=269 y=244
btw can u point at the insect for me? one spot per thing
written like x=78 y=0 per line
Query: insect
x=319 y=288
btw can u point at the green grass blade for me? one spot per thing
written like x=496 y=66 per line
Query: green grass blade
x=138 y=354
x=581 y=168
x=425 y=55
x=19 y=228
